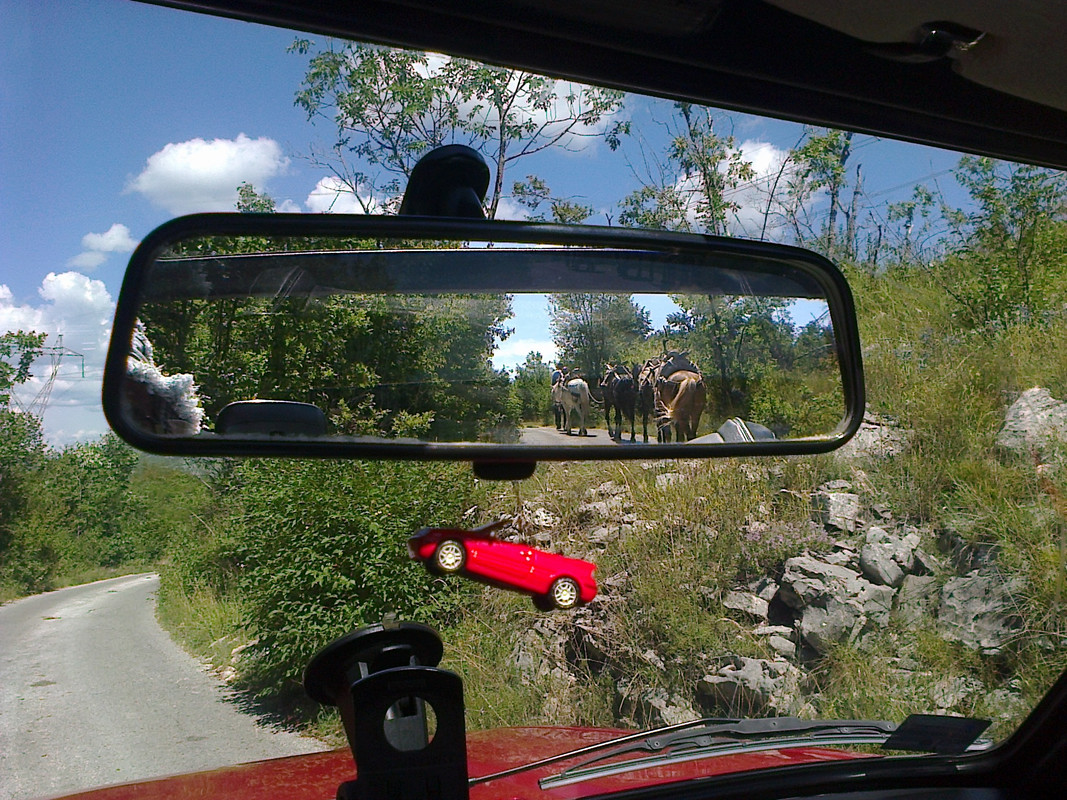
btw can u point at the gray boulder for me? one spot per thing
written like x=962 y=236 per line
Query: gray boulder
x=838 y=510
x=750 y=604
x=917 y=597
x=886 y=558
x=655 y=707
x=752 y=687
x=836 y=603
x=981 y=610
x=877 y=563
x=1035 y=420
x=878 y=437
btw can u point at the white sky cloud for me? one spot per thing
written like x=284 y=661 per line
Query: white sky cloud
x=332 y=195
x=582 y=137
x=513 y=352
x=87 y=260
x=115 y=239
x=200 y=175
x=508 y=208
x=97 y=247
x=752 y=197
x=80 y=309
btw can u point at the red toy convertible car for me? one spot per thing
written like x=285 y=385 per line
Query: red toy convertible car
x=554 y=581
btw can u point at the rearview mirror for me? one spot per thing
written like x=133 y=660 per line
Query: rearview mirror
x=411 y=337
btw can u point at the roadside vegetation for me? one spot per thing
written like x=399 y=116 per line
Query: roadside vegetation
x=264 y=562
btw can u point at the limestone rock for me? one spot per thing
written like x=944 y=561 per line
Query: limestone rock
x=1035 y=420
x=835 y=603
x=838 y=510
x=782 y=646
x=981 y=611
x=917 y=597
x=750 y=604
x=669 y=479
x=877 y=563
x=656 y=707
x=752 y=687
x=878 y=437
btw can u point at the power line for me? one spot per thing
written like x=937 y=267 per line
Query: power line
x=56 y=353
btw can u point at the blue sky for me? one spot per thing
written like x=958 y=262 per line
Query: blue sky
x=118 y=115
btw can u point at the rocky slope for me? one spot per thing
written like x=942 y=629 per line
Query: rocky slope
x=877 y=588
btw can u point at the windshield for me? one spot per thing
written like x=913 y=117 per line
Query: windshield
x=918 y=570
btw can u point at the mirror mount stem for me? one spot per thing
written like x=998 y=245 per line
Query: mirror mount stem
x=449 y=181
x=504 y=470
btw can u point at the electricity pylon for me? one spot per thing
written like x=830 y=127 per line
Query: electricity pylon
x=56 y=353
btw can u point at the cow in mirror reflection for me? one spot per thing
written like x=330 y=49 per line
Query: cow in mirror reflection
x=644 y=376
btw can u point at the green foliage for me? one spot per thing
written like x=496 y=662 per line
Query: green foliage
x=757 y=365
x=249 y=201
x=392 y=106
x=73 y=516
x=91 y=506
x=22 y=452
x=533 y=192
x=321 y=549
x=590 y=330
x=690 y=189
x=532 y=390
x=821 y=167
x=389 y=365
x=22 y=348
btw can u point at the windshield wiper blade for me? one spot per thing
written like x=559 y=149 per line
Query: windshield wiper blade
x=725 y=737
x=598 y=746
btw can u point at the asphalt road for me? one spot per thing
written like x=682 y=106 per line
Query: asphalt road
x=94 y=692
x=550 y=436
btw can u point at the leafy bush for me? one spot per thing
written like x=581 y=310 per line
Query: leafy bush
x=321 y=549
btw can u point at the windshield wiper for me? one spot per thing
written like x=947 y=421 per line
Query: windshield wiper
x=724 y=738
x=712 y=737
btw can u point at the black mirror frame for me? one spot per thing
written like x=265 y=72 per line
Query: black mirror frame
x=823 y=271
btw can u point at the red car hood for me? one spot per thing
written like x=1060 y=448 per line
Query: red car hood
x=316 y=776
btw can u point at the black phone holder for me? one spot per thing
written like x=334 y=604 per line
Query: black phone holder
x=403 y=717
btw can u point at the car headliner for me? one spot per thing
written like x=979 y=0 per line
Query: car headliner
x=840 y=63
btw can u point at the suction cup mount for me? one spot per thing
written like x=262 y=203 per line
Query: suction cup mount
x=403 y=717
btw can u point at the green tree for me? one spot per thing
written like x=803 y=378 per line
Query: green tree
x=22 y=454
x=821 y=166
x=18 y=350
x=249 y=201
x=733 y=340
x=918 y=240
x=392 y=106
x=590 y=330
x=532 y=387
x=72 y=513
x=321 y=549
x=688 y=188
x=398 y=365
x=1005 y=252
x=534 y=192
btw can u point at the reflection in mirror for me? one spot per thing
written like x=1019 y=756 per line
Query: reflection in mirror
x=465 y=342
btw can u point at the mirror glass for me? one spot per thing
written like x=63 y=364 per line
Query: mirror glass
x=270 y=338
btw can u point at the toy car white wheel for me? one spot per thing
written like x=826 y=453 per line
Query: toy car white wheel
x=564 y=593
x=450 y=556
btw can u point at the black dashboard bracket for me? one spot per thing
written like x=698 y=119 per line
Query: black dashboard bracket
x=403 y=717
